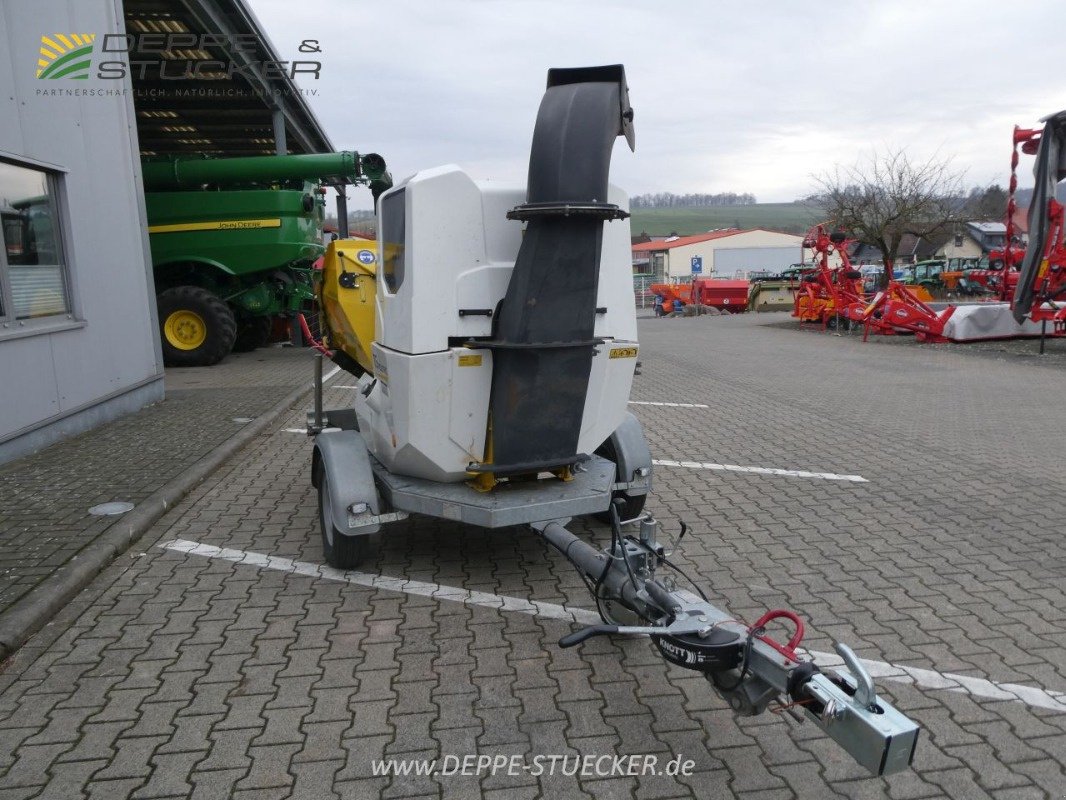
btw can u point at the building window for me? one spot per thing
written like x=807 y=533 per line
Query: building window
x=33 y=281
x=658 y=266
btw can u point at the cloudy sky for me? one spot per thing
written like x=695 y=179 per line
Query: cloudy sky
x=750 y=96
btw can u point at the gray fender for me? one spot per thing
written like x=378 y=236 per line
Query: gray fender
x=345 y=461
x=633 y=454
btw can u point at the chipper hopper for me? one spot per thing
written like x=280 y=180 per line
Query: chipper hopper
x=233 y=243
x=495 y=342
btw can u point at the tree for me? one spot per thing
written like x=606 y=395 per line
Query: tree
x=987 y=203
x=886 y=196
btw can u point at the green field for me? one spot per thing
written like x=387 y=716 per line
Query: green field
x=787 y=217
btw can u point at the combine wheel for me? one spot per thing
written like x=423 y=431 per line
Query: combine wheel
x=197 y=328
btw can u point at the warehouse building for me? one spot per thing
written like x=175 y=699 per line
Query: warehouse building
x=79 y=338
x=720 y=254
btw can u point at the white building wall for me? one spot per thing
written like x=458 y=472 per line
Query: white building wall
x=968 y=249
x=63 y=374
x=680 y=258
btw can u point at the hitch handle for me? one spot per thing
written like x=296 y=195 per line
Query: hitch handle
x=577 y=637
x=865 y=693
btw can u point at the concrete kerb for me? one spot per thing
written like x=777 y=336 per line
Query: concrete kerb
x=30 y=613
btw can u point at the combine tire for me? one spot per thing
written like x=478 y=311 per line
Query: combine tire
x=196 y=327
x=252 y=334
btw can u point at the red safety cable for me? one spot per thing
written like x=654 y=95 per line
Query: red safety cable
x=314 y=342
x=789 y=650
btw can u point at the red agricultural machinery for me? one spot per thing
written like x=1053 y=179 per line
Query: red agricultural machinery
x=1041 y=282
x=725 y=295
x=1030 y=285
x=830 y=295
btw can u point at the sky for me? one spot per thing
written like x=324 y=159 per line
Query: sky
x=757 y=96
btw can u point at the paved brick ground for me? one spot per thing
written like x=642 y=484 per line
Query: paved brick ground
x=45 y=497
x=175 y=675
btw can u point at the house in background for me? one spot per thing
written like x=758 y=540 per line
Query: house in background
x=720 y=254
x=912 y=249
x=973 y=240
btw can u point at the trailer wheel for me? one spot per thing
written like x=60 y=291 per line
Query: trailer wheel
x=340 y=551
x=196 y=327
x=634 y=503
x=612 y=611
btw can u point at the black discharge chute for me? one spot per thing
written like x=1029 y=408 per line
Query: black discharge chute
x=544 y=336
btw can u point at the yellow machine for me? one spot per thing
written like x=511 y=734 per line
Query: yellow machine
x=347 y=292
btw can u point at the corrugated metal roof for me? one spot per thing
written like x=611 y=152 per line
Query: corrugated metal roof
x=216 y=114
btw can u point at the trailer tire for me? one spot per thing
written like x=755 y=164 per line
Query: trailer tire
x=634 y=504
x=196 y=327
x=339 y=550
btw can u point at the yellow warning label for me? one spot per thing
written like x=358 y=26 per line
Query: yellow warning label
x=469 y=361
x=623 y=352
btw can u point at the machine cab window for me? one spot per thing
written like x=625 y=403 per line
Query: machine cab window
x=393 y=231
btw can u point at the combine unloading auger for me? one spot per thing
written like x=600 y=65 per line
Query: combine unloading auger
x=494 y=376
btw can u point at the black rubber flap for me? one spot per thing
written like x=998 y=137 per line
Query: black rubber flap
x=538 y=392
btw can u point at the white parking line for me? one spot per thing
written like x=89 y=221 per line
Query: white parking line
x=792 y=473
x=502 y=602
x=930 y=679
x=671 y=405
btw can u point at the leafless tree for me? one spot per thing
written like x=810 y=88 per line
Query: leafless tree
x=887 y=195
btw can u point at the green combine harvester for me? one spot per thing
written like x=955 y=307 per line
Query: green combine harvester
x=234 y=241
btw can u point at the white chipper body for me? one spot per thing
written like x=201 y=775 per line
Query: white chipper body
x=447 y=254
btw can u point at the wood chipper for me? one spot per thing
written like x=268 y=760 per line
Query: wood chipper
x=494 y=342
x=233 y=243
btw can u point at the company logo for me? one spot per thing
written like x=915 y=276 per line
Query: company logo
x=166 y=57
x=65 y=55
x=366 y=256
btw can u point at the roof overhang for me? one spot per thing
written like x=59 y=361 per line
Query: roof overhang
x=248 y=109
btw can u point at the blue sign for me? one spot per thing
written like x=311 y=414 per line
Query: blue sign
x=697 y=265
x=366 y=256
